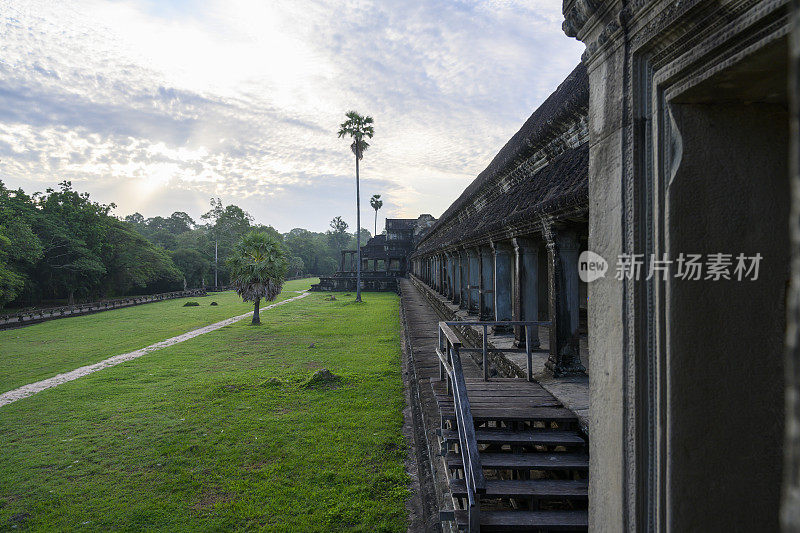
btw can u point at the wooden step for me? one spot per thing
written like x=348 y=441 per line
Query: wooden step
x=528 y=520
x=543 y=437
x=536 y=488
x=526 y=461
x=501 y=414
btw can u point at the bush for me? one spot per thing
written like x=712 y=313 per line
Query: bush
x=191 y=304
x=214 y=303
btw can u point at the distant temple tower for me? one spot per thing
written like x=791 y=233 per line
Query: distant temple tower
x=383 y=259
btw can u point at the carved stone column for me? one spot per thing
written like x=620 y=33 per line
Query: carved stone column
x=456 y=277
x=487 y=283
x=790 y=513
x=503 y=265
x=474 y=281
x=562 y=259
x=464 y=262
x=526 y=288
x=449 y=270
x=442 y=275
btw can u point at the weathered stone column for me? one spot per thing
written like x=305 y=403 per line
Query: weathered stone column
x=440 y=273
x=790 y=506
x=474 y=281
x=456 y=277
x=562 y=259
x=341 y=263
x=430 y=270
x=464 y=262
x=526 y=288
x=487 y=283
x=443 y=271
x=448 y=273
x=503 y=265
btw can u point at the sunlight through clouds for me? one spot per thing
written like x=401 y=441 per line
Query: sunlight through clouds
x=158 y=105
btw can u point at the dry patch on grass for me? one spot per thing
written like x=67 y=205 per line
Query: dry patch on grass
x=209 y=499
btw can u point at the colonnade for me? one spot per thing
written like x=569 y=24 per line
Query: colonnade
x=500 y=281
x=368 y=264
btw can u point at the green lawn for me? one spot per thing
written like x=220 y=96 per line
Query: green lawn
x=43 y=350
x=199 y=437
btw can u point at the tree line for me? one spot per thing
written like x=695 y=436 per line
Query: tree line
x=61 y=246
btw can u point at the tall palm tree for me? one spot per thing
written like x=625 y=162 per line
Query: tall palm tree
x=359 y=129
x=257 y=268
x=376 y=204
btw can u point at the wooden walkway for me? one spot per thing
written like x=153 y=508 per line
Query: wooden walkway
x=532 y=452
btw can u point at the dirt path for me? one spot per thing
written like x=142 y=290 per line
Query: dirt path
x=32 y=388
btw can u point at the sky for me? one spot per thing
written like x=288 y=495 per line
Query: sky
x=158 y=106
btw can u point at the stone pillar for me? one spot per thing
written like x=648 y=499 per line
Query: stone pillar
x=448 y=270
x=439 y=277
x=428 y=271
x=526 y=288
x=456 y=277
x=487 y=283
x=790 y=516
x=442 y=275
x=474 y=281
x=341 y=263
x=562 y=259
x=464 y=262
x=503 y=264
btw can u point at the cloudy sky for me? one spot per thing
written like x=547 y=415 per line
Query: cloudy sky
x=157 y=106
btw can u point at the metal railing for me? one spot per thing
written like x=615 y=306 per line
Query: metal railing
x=485 y=349
x=451 y=370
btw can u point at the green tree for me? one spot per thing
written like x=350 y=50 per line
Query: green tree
x=193 y=264
x=296 y=265
x=376 y=204
x=338 y=233
x=358 y=128
x=228 y=224
x=20 y=247
x=257 y=267
x=72 y=229
x=135 y=265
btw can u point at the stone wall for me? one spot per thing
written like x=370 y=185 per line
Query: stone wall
x=687 y=148
x=33 y=316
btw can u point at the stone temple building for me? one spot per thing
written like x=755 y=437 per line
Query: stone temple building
x=384 y=258
x=676 y=137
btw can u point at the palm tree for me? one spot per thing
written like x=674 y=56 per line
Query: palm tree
x=257 y=267
x=358 y=128
x=376 y=204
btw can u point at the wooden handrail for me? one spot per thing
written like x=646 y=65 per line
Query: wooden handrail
x=448 y=332
x=450 y=368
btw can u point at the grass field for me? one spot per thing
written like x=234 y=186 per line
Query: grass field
x=43 y=350
x=221 y=432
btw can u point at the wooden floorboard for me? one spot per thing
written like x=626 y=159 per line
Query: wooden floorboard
x=533 y=437
x=538 y=488
x=529 y=520
x=533 y=461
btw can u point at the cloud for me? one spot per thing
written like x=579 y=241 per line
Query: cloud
x=158 y=106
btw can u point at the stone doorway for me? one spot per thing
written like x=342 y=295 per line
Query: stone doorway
x=726 y=190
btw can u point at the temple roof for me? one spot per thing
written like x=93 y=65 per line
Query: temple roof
x=557 y=183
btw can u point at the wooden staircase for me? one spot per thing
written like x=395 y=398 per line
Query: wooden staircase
x=531 y=451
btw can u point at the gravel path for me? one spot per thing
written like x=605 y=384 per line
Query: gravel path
x=32 y=388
